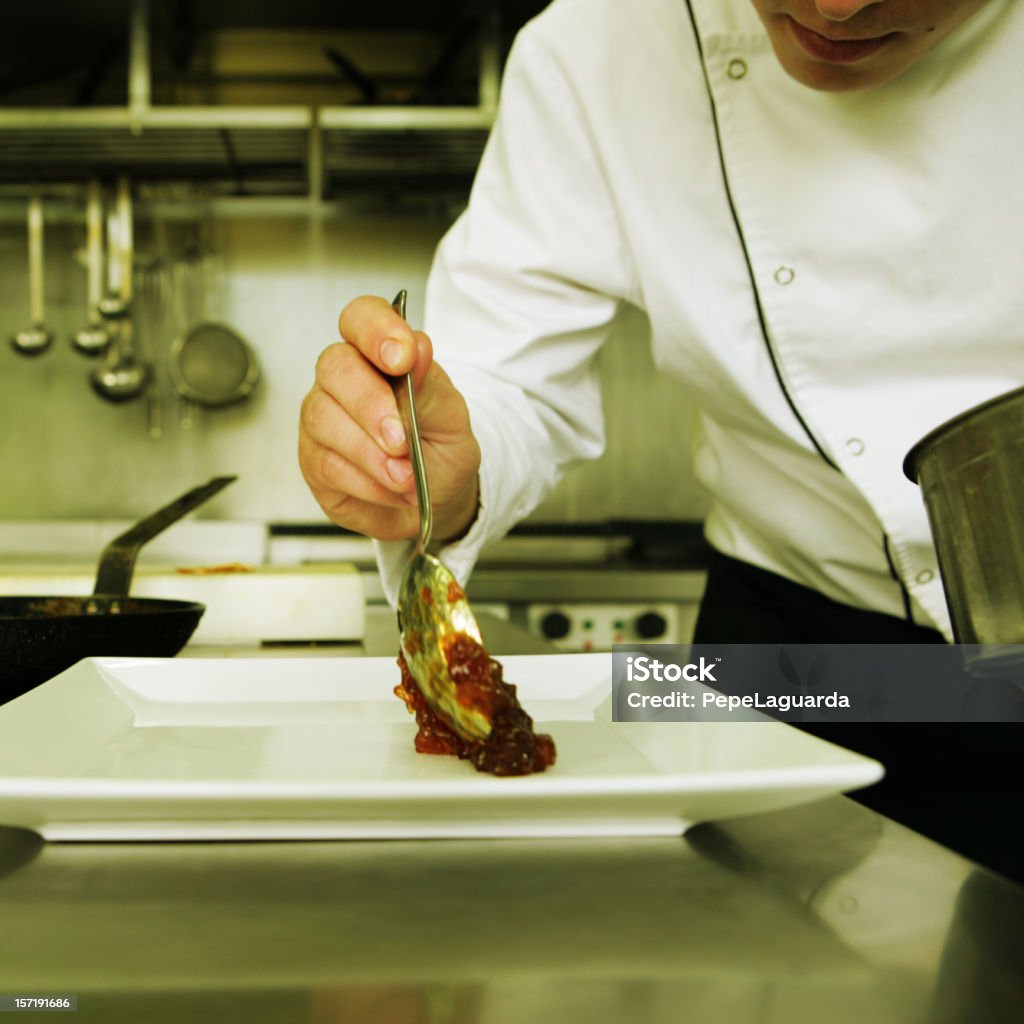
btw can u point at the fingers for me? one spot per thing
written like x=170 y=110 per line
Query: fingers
x=338 y=453
x=334 y=454
x=369 y=518
x=353 y=451
x=383 y=337
x=359 y=393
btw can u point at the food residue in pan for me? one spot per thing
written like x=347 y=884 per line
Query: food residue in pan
x=214 y=570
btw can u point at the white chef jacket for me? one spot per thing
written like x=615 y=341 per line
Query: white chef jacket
x=831 y=275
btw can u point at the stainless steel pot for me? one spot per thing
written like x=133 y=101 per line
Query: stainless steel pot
x=971 y=473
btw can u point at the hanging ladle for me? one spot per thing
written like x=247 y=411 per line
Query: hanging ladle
x=35 y=339
x=120 y=377
x=92 y=339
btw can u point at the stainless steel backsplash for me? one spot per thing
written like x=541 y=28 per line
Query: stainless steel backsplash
x=280 y=280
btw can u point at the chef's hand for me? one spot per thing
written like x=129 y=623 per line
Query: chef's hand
x=352 y=447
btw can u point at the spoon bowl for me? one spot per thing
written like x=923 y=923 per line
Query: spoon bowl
x=91 y=340
x=120 y=381
x=33 y=341
x=120 y=377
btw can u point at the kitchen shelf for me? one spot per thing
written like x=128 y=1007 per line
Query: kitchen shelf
x=249 y=150
x=51 y=119
x=313 y=150
x=220 y=149
x=401 y=148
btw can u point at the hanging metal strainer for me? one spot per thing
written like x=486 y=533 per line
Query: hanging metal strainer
x=213 y=366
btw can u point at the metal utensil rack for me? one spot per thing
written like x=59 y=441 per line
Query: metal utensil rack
x=309 y=152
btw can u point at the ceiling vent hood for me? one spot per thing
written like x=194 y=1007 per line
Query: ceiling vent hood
x=304 y=108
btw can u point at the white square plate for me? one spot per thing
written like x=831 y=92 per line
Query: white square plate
x=282 y=748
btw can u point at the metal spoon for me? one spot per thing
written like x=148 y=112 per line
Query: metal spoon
x=432 y=607
x=35 y=339
x=121 y=377
x=92 y=339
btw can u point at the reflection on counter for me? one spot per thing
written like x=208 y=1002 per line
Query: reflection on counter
x=821 y=914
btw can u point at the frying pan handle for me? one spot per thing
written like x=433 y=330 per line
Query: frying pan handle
x=117 y=562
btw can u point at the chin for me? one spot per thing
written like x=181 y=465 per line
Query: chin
x=836 y=77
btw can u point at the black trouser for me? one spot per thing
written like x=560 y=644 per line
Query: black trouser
x=958 y=783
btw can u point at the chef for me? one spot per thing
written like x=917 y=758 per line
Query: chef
x=816 y=203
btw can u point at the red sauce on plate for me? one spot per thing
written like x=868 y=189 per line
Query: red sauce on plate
x=512 y=748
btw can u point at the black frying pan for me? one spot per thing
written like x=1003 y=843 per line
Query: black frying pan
x=41 y=636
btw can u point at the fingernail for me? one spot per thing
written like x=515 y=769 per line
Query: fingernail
x=399 y=470
x=391 y=353
x=391 y=431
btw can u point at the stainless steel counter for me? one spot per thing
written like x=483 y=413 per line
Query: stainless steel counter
x=826 y=913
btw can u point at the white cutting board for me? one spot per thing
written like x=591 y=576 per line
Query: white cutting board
x=266 y=603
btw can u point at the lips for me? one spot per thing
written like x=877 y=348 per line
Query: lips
x=835 y=51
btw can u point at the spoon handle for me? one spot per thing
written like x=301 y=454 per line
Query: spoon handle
x=35 y=259
x=94 y=248
x=406 y=398
x=126 y=249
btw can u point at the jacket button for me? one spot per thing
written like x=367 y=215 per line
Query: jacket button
x=736 y=69
x=855 y=446
x=925 y=576
x=784 y=275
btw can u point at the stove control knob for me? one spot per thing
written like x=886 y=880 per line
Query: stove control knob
x=650 y=625
x=555 y=625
